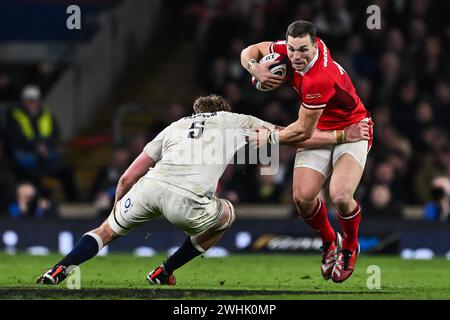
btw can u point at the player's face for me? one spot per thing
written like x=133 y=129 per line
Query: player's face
x=300 y=51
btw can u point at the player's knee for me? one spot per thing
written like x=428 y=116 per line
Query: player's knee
x=341 y=197
x=228 y=215
x=106 y=233
x=301 y=197
x=226 y=221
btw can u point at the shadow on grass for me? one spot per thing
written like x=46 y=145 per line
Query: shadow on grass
x=158 y=293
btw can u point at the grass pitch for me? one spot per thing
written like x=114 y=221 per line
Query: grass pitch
x=256 y=277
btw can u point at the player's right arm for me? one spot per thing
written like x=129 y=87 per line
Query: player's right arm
x=135 y=171
x=151 y=154
x=249 y=60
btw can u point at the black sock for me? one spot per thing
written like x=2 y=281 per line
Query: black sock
x=183 y=255
x=84 y=250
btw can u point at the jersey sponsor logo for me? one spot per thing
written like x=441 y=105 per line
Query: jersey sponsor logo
x=313 y=96
x=325 y=54
x=341 y=70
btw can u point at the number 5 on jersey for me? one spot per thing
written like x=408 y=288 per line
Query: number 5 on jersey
x=196 y=130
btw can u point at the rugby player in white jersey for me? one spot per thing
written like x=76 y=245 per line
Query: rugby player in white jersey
x=174 y=176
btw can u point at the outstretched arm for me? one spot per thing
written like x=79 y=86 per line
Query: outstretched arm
x=302 y=129
x=135 y=171
x=354 y=132
x=295 y=133
x=301 y=134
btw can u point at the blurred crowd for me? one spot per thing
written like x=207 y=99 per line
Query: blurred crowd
x=401 y=73
x=30 y=153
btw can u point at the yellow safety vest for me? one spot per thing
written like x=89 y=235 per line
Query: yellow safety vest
x=44 y=123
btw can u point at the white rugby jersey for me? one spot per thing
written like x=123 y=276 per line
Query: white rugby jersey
x=193 y=152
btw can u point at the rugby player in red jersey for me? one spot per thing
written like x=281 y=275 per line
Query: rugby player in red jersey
x=328 y=102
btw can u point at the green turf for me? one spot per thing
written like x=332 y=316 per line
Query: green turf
x=121 y=276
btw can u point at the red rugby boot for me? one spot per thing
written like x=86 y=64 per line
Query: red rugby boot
x=330 y=252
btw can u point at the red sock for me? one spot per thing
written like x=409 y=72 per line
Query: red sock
x=350 y=226
x=319 y=222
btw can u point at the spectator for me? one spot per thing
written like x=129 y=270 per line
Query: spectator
x=33 y=139
x=135 y=145
x=6 y=86
x=439 y=208
x=430 y=165
x=218 y=75
x=269 y=190
x=230 y=188
x=404 y=102
x=7 y=179
x=434 y=64
x=29 y=204
x=441 y=102
x=172 y=112
x=274 y=110
x=382 y=202
x=389 y=77
x=334 y=21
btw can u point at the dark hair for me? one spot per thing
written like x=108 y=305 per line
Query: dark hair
x=301 y=28
x=211 y=103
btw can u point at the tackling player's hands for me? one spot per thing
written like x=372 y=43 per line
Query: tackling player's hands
x=262 y=73
x=358 y=131
x=259 y=137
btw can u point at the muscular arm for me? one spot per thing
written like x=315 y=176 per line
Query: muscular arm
x=260 y=70
x=302 y=129
x=254 y=51
x=135 y=171
x=321 y=138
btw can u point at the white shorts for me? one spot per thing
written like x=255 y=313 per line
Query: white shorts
x=150 y=198
x=324 y=159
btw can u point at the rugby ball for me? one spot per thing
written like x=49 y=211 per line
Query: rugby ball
x=279 y=66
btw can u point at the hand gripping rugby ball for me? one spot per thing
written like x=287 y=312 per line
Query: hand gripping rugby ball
x=279 y=66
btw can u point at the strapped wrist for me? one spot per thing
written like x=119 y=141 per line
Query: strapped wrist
x=250 y=63
x=273 y=137
x=340 y=136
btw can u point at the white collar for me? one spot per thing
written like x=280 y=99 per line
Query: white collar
x=310 y=64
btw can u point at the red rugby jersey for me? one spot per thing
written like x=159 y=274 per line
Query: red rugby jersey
x=325 y=85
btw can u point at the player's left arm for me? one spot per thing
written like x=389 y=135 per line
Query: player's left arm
x=316 y=93
x=135 y=171
x=322 y=138
x=301 y=130
x=295 y=133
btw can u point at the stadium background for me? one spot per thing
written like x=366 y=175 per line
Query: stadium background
x=136 y=66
